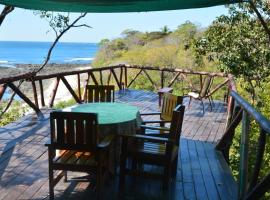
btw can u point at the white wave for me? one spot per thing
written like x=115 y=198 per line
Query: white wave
x=3 y=61
x=79 y=59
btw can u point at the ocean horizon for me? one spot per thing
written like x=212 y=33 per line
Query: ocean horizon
x=29 y=52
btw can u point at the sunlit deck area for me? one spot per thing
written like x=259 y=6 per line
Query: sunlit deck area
x=202 y=172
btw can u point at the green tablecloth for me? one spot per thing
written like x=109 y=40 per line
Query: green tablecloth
x=108 y=113
x=116 y=118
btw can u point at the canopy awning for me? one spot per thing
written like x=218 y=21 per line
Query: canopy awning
x=111 y=6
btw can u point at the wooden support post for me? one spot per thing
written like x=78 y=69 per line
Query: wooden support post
x=150 y=79
x=116 y=79
x=25 y=98
x=3 y=88
x=162 y=79
x=70 y=89
x=201 y=82
x=85 y=84
x=100 y=77
x=54 y=92
x=174 y=79
x=135 y=78
x=35 y=92
x=121 y=77
x=225 y=142
x=109 y=78
x=79 y=86
x=41 y=93
x=243 y=171
x=230 y=111
x=126 y=77
x=93 y=78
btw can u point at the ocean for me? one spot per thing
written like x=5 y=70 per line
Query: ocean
x=14 y=52
x=17 y=52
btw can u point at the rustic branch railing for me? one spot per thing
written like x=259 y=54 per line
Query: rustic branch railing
x=120 y=74
x=249 y=186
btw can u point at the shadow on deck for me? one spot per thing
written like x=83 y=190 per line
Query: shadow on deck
x=202 y=172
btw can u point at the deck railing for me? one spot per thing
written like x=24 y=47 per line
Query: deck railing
x=249 y=185
x=123 y=76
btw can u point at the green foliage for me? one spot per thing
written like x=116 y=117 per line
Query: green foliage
x=240 y=44
x=164 y=48
x=64 y=104
x=15 y=112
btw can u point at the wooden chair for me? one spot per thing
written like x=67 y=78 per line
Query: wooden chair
x=99 y=93
x=203 y=93
x=74 y=147
x=169 y=102
x=159 y=151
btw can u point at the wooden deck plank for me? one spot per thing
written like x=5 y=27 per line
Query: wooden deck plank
x=196 y=171
x=201 y=174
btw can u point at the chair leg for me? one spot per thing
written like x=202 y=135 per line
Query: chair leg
x=166 y=178
x=51 y=186
x=65 y=176
x=174 y=168
x=210 y=103
x=190 y=98
x=202 y=105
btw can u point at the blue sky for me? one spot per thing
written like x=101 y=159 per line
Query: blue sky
x=23 y=25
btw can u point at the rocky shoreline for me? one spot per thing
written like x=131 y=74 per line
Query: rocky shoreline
x=6 y=72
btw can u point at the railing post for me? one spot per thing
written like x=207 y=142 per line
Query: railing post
x=41 y=93
x=126 y=77
x=2 y=90
x=35 y=92
x=162 y=78
x=243 y=172
x=79 y=87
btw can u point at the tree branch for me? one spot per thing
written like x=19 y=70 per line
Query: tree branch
x=82 y=25
x=5 y=12
x=260 y=17
x=58 y=36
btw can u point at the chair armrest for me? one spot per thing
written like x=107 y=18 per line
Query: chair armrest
x=106 y=142
x=152 y=113
x=155 y=121
x=155 y=128
x=144 y=137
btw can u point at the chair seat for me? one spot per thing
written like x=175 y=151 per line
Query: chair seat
x=193 y=94
x=152 y=148
x=75 y=158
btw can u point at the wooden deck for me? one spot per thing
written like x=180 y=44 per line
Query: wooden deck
x=202 y=172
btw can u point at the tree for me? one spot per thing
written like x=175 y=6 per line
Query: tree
x=165 y=30
x=240 y=44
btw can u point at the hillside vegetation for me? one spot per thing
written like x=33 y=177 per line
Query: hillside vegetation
x=163 y=48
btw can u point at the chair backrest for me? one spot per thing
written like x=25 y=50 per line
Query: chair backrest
x=74 y=131
x=207 y=83
x=99 y=93
x=176 y=124
x=169 y=103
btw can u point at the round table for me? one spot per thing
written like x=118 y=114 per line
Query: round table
x=113 y=118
